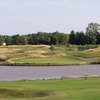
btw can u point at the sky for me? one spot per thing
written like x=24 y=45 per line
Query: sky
x=31 y=16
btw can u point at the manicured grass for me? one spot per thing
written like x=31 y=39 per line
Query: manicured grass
x=51 y=90
x=47 y=59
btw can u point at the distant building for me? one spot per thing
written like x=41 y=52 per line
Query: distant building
x=4 y=44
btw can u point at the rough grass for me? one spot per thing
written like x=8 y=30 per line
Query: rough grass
x=51 y=90
x=43 y=55
x=25 y=93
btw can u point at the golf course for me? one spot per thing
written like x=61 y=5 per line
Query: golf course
x=46 y=55
x=51 y=90
x=86 y=88
x=49 y=50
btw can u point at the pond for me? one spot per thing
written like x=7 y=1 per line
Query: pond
x=11 y=73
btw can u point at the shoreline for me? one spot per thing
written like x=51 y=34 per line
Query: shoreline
x=84 y=77
x=46 y=64
x=4 y=63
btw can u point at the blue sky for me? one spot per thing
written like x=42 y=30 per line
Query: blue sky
x=30 y=16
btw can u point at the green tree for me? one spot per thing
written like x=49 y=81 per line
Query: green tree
x=62 y=38
x=8 y=40
x=98 y=38
x=92 y=29
x=16 y=39
x=23 y=40
x=93 y=39
x=54 y=38
x=72 y=37
x=32 y=39
x=80 y=38
x=2 y=40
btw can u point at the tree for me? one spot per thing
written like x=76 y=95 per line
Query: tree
x=16 y=39
x=1 y=40
x=62 y=38
x=72 y=37
x=54 y=38
x=80 y=38
x=98 y=38
x=32 y=39
x=8 y=40
x=93 y=39
x=43 y=38
x=23 y=40
x=92 y=29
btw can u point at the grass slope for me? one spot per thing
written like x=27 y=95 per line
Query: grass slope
x=43 y=55
x=51 y=90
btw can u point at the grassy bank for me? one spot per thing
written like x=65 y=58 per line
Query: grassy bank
x=51 y=90
x=45 y=55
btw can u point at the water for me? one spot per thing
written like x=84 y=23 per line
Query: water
x=11 y=73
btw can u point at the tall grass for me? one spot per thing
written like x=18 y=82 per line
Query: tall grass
x=42 y=54
x=23 y=93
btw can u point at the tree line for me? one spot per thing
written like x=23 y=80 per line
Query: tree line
x=35 y=39
x=91 y=36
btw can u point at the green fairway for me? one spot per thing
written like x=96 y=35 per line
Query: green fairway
x=47 y=59
x=51 y=90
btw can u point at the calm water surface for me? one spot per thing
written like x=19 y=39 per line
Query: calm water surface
x=11 y=73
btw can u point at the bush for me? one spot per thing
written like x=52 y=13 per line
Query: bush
x=52 y=48
x=85 y=47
